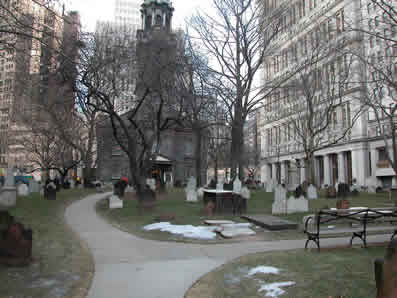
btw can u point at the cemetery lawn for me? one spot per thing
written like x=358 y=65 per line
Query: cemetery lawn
x=62 y=264
x=338 y=272
x=132 y=220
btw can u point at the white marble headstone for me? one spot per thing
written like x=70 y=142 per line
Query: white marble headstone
x=237 y=186
x=297 y=205
x=22 y=190
x=280 y=200
x=152 y=183
x=245 y=193
x=191 y=193
x=34 y=186
x=312 y=192
x=219 y=186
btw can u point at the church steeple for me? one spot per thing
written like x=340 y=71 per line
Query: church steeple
x=156 y=14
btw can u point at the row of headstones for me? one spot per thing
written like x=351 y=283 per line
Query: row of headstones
x=192 y=193
x=34 y=187
x=282 y=205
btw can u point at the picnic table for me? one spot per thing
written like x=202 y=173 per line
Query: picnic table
x=224 y=200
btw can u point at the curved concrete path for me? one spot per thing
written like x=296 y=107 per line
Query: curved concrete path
x=128 y=266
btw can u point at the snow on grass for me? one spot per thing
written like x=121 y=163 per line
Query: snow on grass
x=264 y=269
x=274 y=289
x=188 y=231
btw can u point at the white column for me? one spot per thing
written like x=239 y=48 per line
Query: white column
x=327 y=177
x=374 y=161
x=302 y=163
x=283 y=170
x=153 y=18
x=341 y=168
x=359 y=165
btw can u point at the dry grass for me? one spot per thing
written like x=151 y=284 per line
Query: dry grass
x=334 y=273
x=62 y=264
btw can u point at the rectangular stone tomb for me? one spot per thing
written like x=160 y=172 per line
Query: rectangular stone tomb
x=217 y=222
x=271 y=223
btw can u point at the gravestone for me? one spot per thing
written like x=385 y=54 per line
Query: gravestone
x=191 y=193
x=34 y=186
x=115 y=202
x=8 y=193
x=372 y=183
x=72 y=183
x=237 y=186
x=22 y=190
x=245 y=193
x=129 y=193
x=297 y=205
x=270 y=185
x=219 y=186
x=312 y=192
x=152 y=184
x=200 y=192
x=50 y=190
x=280 y=200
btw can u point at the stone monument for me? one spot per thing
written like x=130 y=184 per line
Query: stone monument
x=8 y=194
x=280 y=200
x=34 y=186
x=237 y=186
x=22 y=190
x=312 y=192
x=191 y=193
x=115 y=202
x=295 y=205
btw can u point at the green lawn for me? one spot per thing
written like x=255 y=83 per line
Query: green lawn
x=62 y=265
x=131 y=219
x=347 y=273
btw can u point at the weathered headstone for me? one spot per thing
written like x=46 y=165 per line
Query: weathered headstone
x=8 y=193
x=295 y=205
x=200 y=192
x=22 y=190
x=245 y=193
x=237 y=186
x=152 y=183
x=219 y=186
x=72 y=183
x=34 y=186
x=280 y=200
x=312 y=192
x=270 y=185
x=115 y=202
x=372 y=183
x=191 y=193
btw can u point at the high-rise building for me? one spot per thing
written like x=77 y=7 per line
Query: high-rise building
x=39 y=41
x=127 y=12
x=359 y=154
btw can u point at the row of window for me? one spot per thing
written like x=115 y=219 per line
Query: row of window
x=326 y=31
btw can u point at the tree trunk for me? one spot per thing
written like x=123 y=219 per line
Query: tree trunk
x=197 y=156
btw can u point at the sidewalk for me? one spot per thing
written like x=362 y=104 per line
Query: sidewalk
x=128 y=266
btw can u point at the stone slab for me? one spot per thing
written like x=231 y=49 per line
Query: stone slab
x=217 y=222
x=235 y=232
x=272 y=223
x=115 y=202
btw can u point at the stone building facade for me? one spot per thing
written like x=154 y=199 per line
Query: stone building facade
x=358 y=157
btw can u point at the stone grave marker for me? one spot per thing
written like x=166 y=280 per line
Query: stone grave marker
x=191 y=193
x=8 y=193
x=22 y=190
x=280 y=200
x=219 y=186
x=245 y=193
x=152 y=183
x=372 y=183
x=200 y=192
x=295 y=205
x=115 y=202
x=34 y=186
x=312 y=192
x=237 y=186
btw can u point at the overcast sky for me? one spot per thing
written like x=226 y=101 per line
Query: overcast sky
x=93 y=10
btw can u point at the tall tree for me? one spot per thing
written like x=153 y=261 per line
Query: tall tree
x=237 y=37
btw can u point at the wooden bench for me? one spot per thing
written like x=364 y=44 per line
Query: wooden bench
x=362 y=216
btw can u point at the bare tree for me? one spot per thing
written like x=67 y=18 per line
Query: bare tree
x=109 y=71
x=237 y=38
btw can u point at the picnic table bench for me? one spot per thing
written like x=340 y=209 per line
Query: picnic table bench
x=363 y=216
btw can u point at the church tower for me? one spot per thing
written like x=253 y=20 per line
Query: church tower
x=157 y=15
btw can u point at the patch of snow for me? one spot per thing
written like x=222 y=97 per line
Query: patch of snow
x=264 y=269
x=188 y=231
x=274 y=289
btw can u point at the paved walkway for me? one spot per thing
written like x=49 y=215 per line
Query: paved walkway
x=128 y=266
